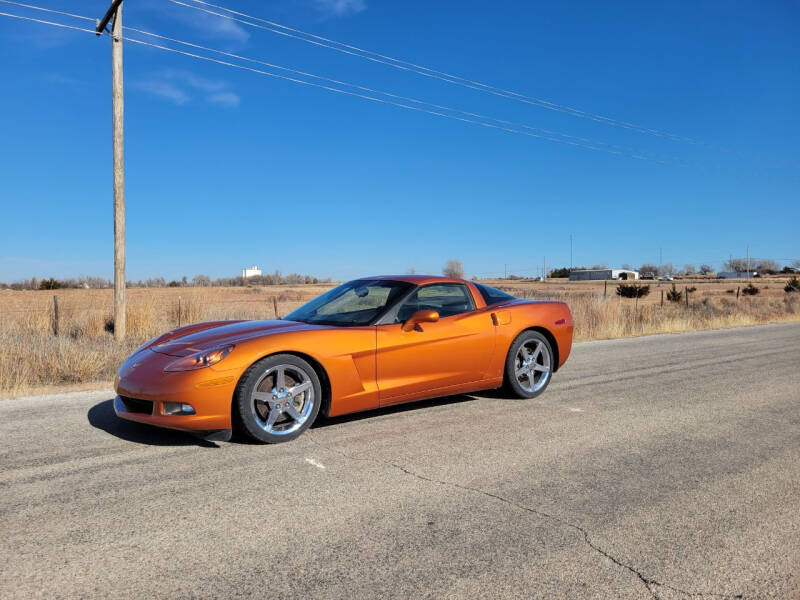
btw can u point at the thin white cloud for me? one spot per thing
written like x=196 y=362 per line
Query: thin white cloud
x=181 y=87
x=226 y=99
x=163 y=89
x=207 y=25
x=341 y=8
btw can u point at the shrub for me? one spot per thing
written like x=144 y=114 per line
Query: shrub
x=730 y=291
x=674 y=295
x=632 y=290
x=562 y=272
x=793 y=285
x=49 y=284
x=692 y=290
x=750 y=290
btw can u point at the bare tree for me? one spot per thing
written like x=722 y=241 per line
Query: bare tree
x=689 y=269
x=201 y=281
x=768 y=266
x=411 y=271
x=454 y=268
x=626 y=266
x=648 y=268
x=737 y=265
x=667 y=269
x=796 y=264
x=706 y=269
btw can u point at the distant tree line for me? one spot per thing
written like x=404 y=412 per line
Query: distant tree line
x=97 y=283
x=762 y=266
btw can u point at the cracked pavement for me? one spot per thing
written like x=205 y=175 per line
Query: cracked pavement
x=660 y=467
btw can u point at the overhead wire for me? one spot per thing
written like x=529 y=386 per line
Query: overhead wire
x=546 y=135
x=43 y=22
x=391 y=102
x=419 y=69
x=50 y=10
x=622 y=149
x=397 y=99
x=342 y=47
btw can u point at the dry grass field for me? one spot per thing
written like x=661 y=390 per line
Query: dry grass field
x=32 y=356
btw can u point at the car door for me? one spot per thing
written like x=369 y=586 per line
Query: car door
x=453 y=350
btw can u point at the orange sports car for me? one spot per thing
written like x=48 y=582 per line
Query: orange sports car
x=365 y=344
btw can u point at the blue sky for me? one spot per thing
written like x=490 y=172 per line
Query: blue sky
x=227 y=168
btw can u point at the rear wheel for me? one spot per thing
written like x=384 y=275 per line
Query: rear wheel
x=529 y=365
x=278 y=398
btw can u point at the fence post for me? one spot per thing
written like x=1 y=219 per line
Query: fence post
x=662 y=298
x=605 y=288
x=56 y=316
x=686 y=291
x=737 y=292
x=180 y=310
x=275 y=306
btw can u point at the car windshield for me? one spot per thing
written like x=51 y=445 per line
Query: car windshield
x=351 y=304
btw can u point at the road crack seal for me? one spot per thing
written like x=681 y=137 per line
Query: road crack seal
x=649 y=583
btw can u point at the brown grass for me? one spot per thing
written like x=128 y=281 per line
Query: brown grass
x=32 y=357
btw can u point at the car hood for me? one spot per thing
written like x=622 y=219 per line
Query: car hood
x=180 y=343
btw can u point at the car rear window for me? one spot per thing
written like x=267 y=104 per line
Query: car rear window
x=492 y=295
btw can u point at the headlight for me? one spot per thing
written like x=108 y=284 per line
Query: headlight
x=200 y=360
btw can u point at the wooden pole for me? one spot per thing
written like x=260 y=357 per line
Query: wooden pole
x=686 y=292
x=605 y=288
x=737 y=292
x=662 y=298
x=118 y=110
x=275 y=306
x=180 y=310
x=56 y=316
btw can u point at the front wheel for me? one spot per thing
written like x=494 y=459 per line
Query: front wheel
x=278 y=398
x=529 y=365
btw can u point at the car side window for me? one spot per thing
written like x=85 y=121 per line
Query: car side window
x=447 y=299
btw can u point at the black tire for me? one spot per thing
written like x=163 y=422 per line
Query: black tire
x=253 y=415
x=512 y=383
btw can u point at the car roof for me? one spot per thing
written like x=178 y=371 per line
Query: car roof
x=417 y=279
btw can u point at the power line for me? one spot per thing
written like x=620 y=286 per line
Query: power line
x=50 y=10
x=421 y=70
x=388 y=102
x=424 y=71
x=43 y=22
x=621 y=150
x=503 y=127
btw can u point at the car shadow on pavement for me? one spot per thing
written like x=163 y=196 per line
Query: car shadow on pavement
x=102 y=416
x=391 y=410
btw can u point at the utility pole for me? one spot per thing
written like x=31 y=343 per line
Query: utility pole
x=570 y=252
x=114 y=14
x=748 y=262
x=505 y=271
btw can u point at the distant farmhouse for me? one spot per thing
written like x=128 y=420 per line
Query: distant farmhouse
x=736 y=275
x=594 y=274
x=253 y=271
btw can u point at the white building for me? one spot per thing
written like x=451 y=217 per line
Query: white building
x=253 y=271
x=736 y=275
x=594 y=274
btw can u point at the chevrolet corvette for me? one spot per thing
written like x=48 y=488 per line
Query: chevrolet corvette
x=365 y=344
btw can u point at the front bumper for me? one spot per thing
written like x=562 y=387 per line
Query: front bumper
x=143 y=387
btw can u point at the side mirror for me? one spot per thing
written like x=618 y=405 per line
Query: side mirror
x=421 y=316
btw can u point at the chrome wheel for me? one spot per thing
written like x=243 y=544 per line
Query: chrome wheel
x=282 y=399
x=532 y=366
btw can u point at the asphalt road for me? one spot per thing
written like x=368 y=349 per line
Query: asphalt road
x=665 y=466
